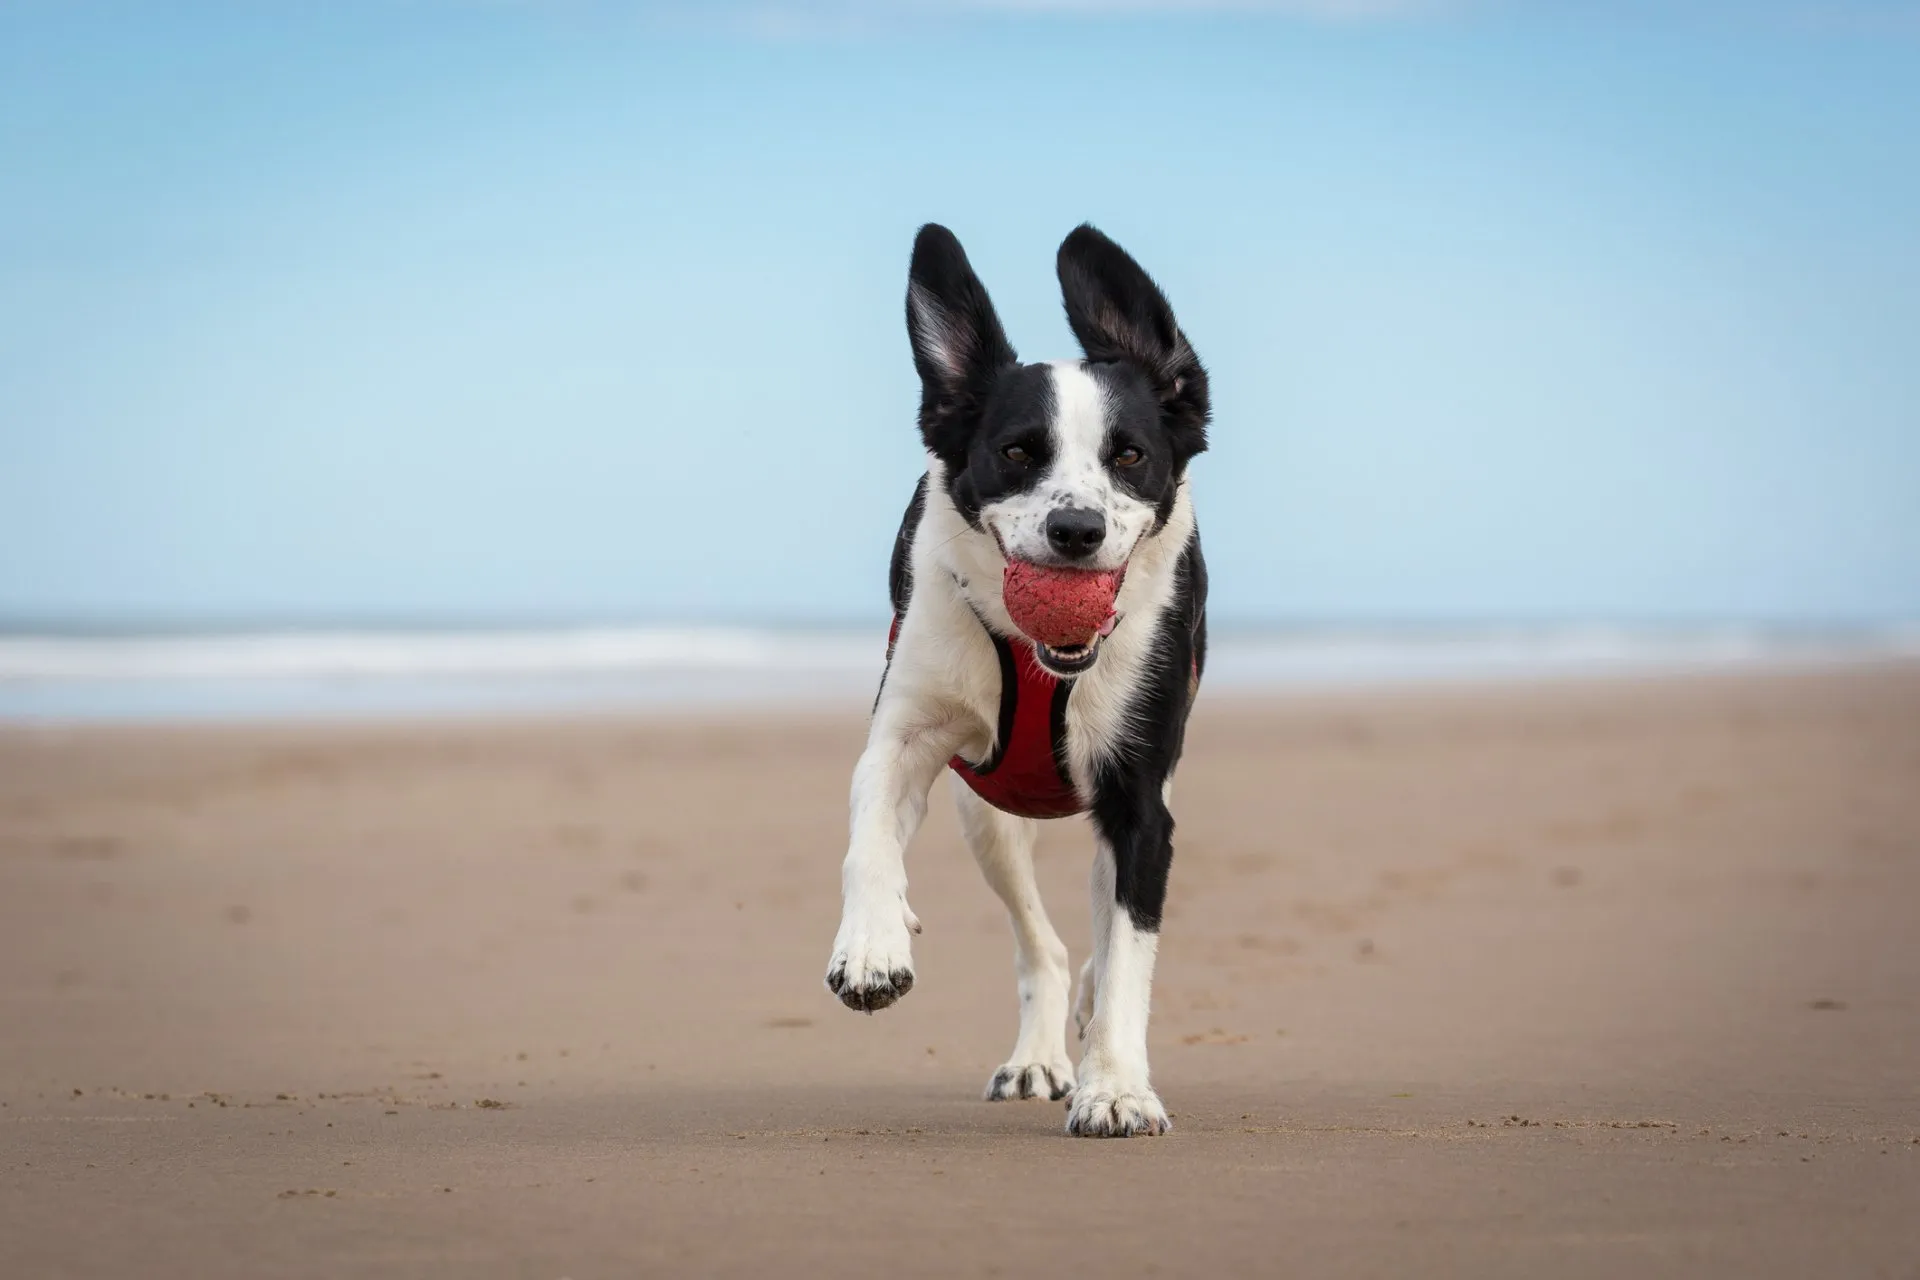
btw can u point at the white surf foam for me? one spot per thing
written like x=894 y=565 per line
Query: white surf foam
x=375 y=654
x=352 y=673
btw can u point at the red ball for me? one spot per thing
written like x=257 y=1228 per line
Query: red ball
x=1059 y=608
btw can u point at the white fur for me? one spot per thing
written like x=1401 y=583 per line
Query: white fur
x=941 y=696
x=1114 y=1097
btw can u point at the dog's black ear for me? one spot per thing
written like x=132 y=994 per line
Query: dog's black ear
x=1119 y=314
x=958 y=344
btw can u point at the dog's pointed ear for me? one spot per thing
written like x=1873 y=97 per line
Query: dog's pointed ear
x=1119 y=314
x=958 y=344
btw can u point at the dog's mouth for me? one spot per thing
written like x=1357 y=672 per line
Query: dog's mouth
x=1073 y=659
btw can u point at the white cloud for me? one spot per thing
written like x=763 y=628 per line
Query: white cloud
x=1332 y=9
x=790 y=18
x=801 y=18
x=799 y=14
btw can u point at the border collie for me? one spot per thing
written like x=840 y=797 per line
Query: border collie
x=1071 y=464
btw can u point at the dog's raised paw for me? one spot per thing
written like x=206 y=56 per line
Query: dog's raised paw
x=1095 y=1113
x=865 y=990
x=872 y=963
x=1019 y=1080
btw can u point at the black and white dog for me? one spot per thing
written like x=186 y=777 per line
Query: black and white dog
x=1076 y=463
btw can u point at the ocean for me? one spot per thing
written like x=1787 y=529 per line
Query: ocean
x=317 y=674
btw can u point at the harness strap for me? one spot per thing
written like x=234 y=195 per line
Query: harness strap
x=1027 y=774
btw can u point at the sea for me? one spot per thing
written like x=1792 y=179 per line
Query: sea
x=49 y=677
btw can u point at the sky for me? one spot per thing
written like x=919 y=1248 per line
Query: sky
x=524 y=312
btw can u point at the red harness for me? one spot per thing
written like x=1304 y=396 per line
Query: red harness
x=1026 y=775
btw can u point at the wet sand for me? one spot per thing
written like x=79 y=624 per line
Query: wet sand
x=1602 y=979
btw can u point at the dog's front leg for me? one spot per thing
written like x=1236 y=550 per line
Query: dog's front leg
x=1114 y=1097
x=872 y=961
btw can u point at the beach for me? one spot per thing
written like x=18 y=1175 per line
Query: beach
x=1571 y=977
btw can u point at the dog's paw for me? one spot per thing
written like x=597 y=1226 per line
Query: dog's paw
x=1083 y=993
x=872 y=962
x=1096 y=1112
x=1017 y=1080
x=865 y=989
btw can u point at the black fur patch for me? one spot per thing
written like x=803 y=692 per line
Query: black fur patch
x=900 y=570
x=959 y=347
x=900 y=574
x=1135 y=421
x=1018 y=411
x=1127 y=802
x=1120 y=317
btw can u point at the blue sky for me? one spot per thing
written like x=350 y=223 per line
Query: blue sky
x=532 y=312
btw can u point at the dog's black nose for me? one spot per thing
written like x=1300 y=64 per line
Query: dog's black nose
x=1076 y=532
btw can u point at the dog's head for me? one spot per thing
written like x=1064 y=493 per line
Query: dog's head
x=1072 y=463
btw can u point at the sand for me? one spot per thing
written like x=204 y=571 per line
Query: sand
x=1600 y=979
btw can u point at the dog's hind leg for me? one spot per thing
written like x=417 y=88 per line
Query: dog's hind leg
x=1086 y=991
x=1003 y=846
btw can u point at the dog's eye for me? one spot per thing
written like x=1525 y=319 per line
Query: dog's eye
x=1014 y=453
x=1129 y=457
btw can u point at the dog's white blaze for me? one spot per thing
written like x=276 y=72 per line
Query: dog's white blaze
x=1077 y=476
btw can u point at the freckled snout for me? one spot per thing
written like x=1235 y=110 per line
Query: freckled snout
x=1075 y=533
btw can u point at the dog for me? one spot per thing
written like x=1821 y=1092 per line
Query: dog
x=1073 y=464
